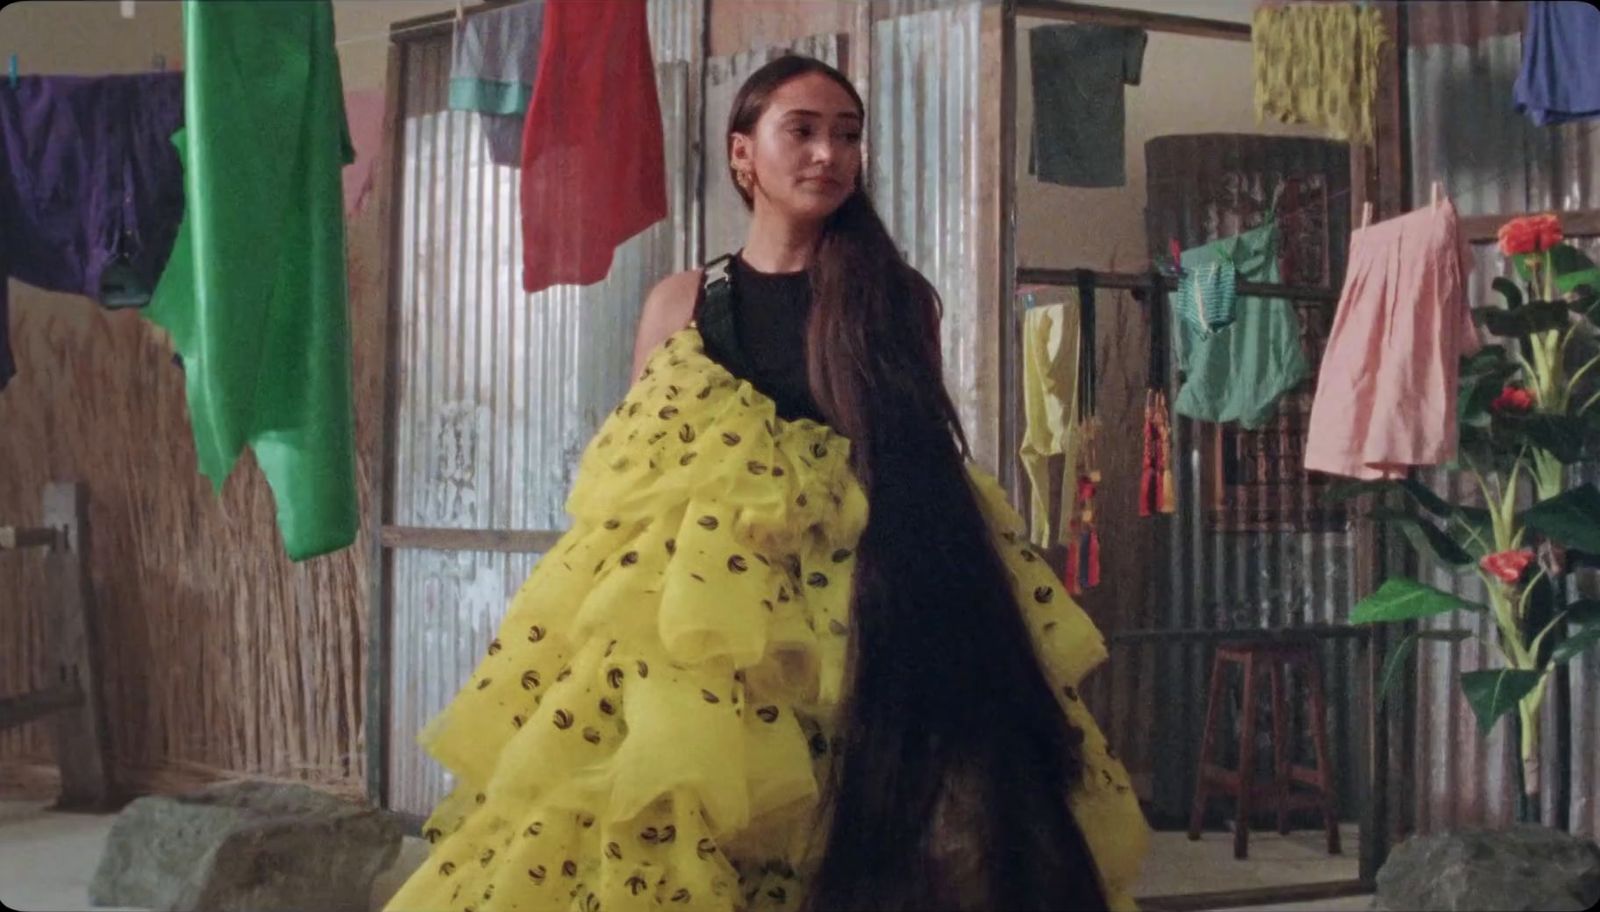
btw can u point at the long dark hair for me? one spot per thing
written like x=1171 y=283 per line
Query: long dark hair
x=947 y=707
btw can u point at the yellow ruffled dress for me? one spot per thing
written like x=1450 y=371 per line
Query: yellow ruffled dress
x=649 y=728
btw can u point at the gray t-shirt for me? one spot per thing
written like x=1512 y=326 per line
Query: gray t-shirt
x=1078 y=118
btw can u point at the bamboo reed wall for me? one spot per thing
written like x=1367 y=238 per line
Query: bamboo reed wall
x=220 y=657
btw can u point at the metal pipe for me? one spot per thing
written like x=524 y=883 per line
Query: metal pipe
x=1154 y=22
x=1007 y=320
x=1128 y=280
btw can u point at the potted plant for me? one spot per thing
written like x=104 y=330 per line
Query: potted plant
x=1529 y=412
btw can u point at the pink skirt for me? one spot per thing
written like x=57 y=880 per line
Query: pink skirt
x=1386 y=393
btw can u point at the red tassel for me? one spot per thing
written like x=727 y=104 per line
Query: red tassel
x=1069 y=574
x=1148 y=483
x=1094 y=558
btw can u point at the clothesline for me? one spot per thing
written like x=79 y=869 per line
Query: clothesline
x=388 y=34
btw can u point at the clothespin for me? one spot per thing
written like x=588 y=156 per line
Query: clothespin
x=1366 y=214
x=1176 y=251
x=455 y=33
x=11 y=70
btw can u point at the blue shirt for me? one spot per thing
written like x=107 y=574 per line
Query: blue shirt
x=1560 y=76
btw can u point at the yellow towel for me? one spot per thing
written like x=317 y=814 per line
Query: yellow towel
x=1050 y=398
x=1318 y=64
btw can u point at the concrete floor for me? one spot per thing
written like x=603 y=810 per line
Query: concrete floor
x=48 y=858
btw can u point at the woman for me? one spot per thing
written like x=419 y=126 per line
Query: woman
x=793 y=653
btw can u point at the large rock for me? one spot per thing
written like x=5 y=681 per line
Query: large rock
x=245 y=847
x=1526 y=867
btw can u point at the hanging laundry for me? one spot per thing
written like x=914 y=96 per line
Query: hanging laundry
x=492 y=71
x=1050 y=411
x=1386 y=393
x=1240 y=372
x=364 y=112
x=1079 y=73
x=1560 y=76
x=1317 y=63
x=91 y=190
x=254 y=295
x=593 y=165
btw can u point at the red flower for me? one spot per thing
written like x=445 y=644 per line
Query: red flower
x=1507 y=566
x=1530 y=234
x=1513 y=399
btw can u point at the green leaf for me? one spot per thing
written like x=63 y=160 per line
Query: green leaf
x=1492 y=694
x=1402 y=599
x=1585 y=304
x=1395 y=664
x=1427 y=538
x=1485 y=450
x=1345 y=490
x=1535 y=317
x=1572 y=268
x=1483 y=375
x=1428 y=500
x=1522 y=263
x=1584 y=611
x=1559 y=435
x=1576 y=643
x=1508 y=290
x=1488 y=359
x=1572 y=518
x=1584 y=618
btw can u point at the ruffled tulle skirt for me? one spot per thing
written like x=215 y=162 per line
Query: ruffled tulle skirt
x=650 y=726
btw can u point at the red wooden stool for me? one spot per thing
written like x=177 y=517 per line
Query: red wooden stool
x=1272 y=657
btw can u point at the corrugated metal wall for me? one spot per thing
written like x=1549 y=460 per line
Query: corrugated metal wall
x=927 y=173
x=1462 y=64
x=499 y=391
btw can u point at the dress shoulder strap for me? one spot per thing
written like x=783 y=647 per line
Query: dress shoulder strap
x=716 y=281
x=714 y=315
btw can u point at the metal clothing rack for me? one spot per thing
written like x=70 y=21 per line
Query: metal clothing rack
x=1371 y=175
x=1138 y=281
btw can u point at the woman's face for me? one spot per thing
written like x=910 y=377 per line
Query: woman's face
x=805 y=153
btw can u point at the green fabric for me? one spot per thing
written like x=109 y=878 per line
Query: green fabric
x=254 y=293
x=1206 y=296
x=486 y=96
x=1241 y=371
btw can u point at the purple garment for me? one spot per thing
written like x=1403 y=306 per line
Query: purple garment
x=89 y=180
x=1560 y=76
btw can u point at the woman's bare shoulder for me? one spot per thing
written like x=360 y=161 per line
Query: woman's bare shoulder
x=668 y=308
x=675 y=295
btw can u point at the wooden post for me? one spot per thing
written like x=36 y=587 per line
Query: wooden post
x=82 y=735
